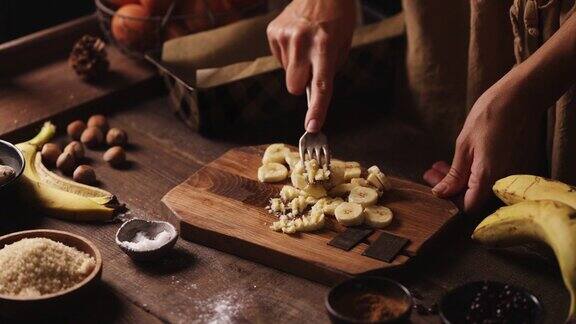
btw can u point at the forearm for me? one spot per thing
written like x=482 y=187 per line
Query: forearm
x=550 y=71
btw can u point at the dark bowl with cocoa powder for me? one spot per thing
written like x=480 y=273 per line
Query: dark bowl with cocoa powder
x=368 y=299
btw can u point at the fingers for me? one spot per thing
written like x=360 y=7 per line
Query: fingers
x=433 y=177
x=441 y=166
x=457 y=177
x=323 y=70
x=298 y=66
x=479 y=187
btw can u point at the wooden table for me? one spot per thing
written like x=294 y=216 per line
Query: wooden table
x=199 y=284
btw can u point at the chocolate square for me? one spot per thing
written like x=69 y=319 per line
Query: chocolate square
x=386 y=247
x=350 y=237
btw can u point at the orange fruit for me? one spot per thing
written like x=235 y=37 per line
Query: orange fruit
x=129 y=29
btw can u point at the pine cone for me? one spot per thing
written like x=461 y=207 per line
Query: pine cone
x=88 y=57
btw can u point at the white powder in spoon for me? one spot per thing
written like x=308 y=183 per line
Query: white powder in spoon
x=142 y=243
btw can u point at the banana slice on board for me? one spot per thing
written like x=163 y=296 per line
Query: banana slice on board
x=349 y=214
x=331 y=204
x=288 y=193
x=363 y=196
x=337 y=173
x=298 y=180
x=341 y=190
x=292 y=158
x=360 y=182
x=380 y=177
x=275 y=153
x=378 y=216
x=272 y=172
x=351 y=173
x=315 y=190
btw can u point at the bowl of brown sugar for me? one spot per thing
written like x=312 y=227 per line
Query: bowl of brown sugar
x=368 y=299
x=44 y=272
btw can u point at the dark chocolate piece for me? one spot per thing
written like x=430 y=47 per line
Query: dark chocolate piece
x=350 y=237
x=386 y=247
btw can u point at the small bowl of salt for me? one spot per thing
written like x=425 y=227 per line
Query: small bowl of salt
x=146 y=240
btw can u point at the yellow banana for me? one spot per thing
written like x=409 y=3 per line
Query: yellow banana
x=521 y=187
x=58 y=196
x=551 y=222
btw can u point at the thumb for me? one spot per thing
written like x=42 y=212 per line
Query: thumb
x=456 y=179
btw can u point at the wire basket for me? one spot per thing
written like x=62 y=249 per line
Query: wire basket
x=136 y=35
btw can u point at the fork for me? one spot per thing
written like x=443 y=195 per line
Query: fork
x=314 y=143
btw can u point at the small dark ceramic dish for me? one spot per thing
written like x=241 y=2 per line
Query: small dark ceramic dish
x=455 y=305
x=11 y=156
x=127 y=233
x=387 y=288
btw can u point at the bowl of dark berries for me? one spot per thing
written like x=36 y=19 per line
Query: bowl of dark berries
x=490 y=302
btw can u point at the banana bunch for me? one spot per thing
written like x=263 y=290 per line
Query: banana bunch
x=58 y=196
x=540 y=210
x=318 y=190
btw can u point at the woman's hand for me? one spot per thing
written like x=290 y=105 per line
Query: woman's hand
x=311 y=38
x=505 y=131
x=503 y=134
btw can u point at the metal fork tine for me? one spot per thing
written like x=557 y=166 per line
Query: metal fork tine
x=317 y=157
x=326 y=155
x=309 y=151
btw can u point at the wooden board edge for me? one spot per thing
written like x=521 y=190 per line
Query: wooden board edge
x=281 y=261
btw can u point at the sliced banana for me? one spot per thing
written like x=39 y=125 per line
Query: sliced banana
x=298 y=180
x=360 y=182
x=378 y=216
x=352 y=164
x=364 y=196
x=298 y=205
x=288 y=193
x=272 y=172
x=311 y=168
x=380 y=176
x=341 y=190
x=292 y=158
x=337 y=173
x=277 y=206
x=315 y=190
x=349 y=214
x=329 y=205
x=313 y=220
x=337 y=163
x=373 y=169
x=275 y=153
x=373 y=180
x=351 y=173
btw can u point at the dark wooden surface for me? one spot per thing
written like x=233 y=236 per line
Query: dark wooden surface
x=196 y=283
x=222 y=206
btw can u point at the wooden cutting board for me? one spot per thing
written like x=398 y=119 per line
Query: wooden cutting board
x=222 y=206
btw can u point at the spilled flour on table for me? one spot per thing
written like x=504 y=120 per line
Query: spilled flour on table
x=221 y=309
